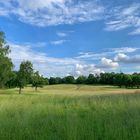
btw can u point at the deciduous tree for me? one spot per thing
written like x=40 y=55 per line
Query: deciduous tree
x=24 y=74
x=37 y=80
x=6 y=64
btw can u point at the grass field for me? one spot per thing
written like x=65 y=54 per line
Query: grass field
x=70 y=112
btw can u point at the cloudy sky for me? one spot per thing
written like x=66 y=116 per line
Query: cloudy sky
x=75 y=37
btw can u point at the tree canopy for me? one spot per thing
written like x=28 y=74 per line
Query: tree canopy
x=24 y=74
x=6 y=64
x=37 y=80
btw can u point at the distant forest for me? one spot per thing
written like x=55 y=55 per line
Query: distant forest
x=27 y=75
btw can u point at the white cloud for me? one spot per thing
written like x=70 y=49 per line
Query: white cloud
x=124 y=50
x=105 y=53
x=52 y=12
x=56 y=12
x=61 y=34
x=85 y=69
x=122 y=18
x=91 y=55
x=35 y=44
x=51 y=66
x=123 y=58
x=135 y=32
x=108 y=63
x=46 y=65
x=58 y=42
x=38 y=4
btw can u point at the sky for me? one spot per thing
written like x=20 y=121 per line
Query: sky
x=73 y=37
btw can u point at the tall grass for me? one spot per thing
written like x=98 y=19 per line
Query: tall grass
x=50 y=116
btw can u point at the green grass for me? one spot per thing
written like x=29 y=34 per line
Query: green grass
x=69 y=112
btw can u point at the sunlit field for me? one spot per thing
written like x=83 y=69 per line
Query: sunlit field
x=70 y=112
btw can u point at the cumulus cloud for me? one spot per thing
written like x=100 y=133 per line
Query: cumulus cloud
x=108 y=63
x=86 y=69
x=123 y=58
x=52 y=12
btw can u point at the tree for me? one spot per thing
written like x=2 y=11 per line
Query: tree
x=52 y=81
x=107 y=78
x=37 y=80
x=91 y=79
x=69 y=80
x=46 y=81
x=6 y=64
x=24 y=74
x=127 y=80
x=81 y=80
x=119 y=79
x=58 y=80
x=12 y=82
x=136 y=80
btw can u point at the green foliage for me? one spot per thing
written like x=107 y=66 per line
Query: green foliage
x=69 y=80
x=119 y=79
x=24 y=74
x=4 y=49
x=81 y=80
x=12 y=82
x=91 y=79
x=46 y=81
x=136 y=80
x=53 y=81
x=6 y=64
x=127 y=80
x=37 y=80
x=107 y=78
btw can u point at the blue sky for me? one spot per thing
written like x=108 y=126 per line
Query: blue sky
x=73 y=37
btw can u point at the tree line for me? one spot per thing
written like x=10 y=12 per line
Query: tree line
x=115 y=79
x=27 y=75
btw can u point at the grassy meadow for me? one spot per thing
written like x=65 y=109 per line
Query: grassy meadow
x=70 y=112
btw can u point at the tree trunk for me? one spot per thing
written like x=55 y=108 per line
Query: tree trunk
x=20 y=90
x=36 y=88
